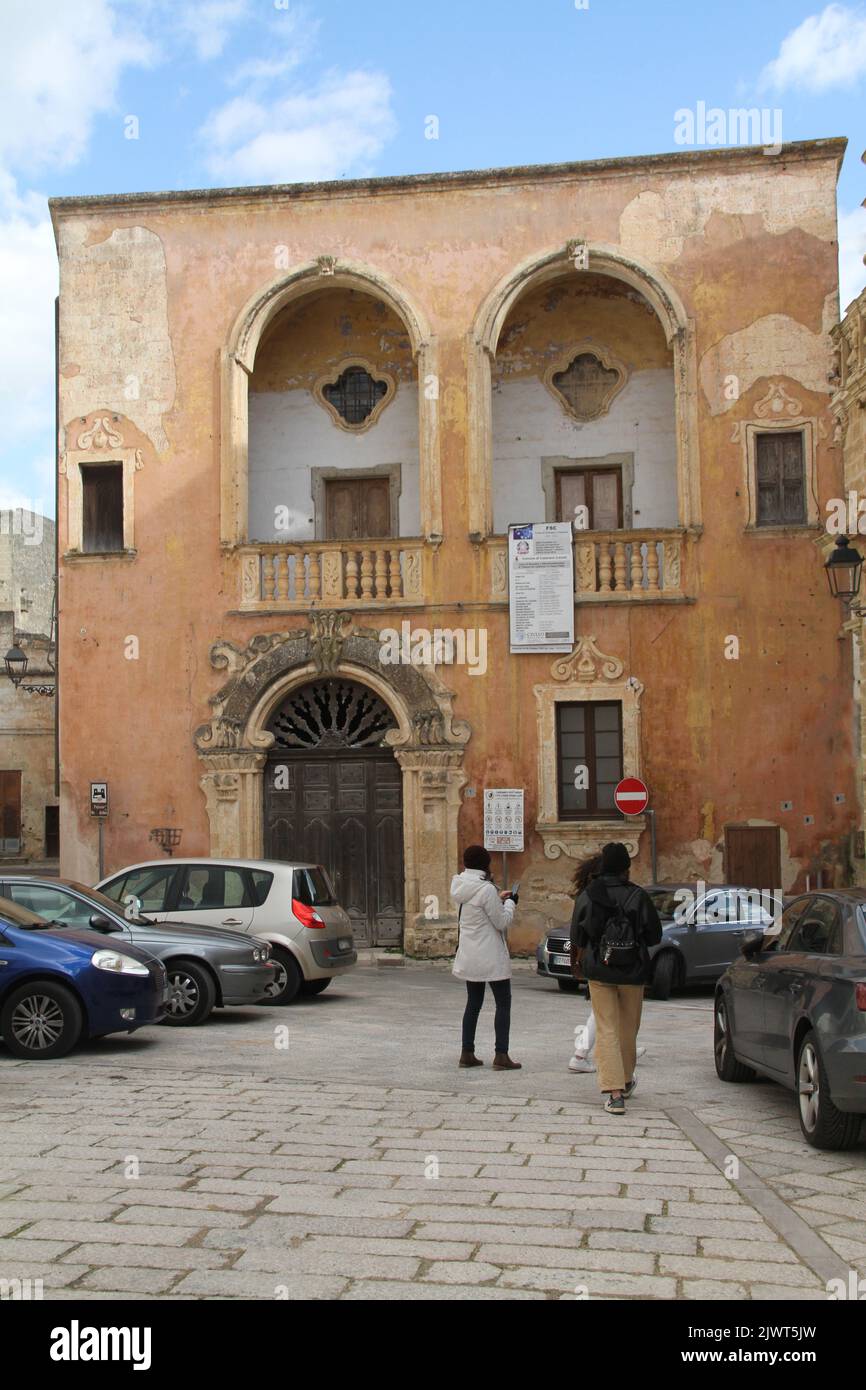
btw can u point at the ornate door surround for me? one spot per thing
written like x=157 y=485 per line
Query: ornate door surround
x=428 y=744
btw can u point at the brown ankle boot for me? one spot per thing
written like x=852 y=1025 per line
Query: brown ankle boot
x=502 y=1062
x=468 y=1059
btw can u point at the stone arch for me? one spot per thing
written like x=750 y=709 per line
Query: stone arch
x=553 y=264
x=428 y=744
x=238 y=360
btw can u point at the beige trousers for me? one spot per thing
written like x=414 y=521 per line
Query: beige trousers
x=617 y=1010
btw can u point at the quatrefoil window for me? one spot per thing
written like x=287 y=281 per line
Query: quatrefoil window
x=355 y=393
x=586 y=383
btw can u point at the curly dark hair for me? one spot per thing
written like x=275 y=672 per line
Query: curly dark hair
x=586 y=871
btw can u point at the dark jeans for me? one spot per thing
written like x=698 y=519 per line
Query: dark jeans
x=502 y=1021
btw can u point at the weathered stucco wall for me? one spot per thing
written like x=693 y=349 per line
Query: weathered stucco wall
x=747 y=242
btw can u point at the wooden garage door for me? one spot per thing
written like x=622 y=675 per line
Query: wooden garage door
x=753 y=856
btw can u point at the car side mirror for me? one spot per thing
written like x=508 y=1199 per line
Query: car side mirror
x=100 y=923
x=752 y=943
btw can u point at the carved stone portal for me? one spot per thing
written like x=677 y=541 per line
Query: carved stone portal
x=428 y=743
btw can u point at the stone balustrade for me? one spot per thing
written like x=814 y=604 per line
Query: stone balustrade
x=635 y=566
x=349 y=573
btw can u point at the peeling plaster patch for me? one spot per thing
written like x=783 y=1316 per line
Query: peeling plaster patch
x=118 y=284
x=792 y=349
x=655 y=225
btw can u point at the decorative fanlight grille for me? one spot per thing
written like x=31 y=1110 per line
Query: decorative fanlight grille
x=587 y=386
x=355 y=394
x=331 y=714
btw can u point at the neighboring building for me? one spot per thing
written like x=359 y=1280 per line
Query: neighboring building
x=849 y=405
x=29 y=812
x=295 y=418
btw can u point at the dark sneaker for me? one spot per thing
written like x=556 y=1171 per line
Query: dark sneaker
x=629 y=1089
x=615 y=1105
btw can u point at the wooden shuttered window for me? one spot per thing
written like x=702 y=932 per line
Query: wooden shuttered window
x=597 y=489
x=102 y=519
x=357 y=508
x=10 y=812
x=781 y=479
x=588 y=736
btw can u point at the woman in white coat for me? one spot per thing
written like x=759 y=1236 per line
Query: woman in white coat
x=482 y=953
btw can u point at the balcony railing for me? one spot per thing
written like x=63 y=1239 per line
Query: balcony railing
x=613 y=566
x=349 y=573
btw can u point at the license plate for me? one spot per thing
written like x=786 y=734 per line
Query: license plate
x=561 y=960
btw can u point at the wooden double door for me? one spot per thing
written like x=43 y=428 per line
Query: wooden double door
x=343 y=809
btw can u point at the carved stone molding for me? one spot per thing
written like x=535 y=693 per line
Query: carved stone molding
x=586 y=399
x=778 y=404
x=98 y=442
x=586 y=663
x=333 y=375
x=428 y=744
x=586 y=674
x=100 y=436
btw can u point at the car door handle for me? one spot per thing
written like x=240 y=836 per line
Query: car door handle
x=232 y=922
x=2 y=963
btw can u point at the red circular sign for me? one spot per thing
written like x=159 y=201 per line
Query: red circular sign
x=631 y=796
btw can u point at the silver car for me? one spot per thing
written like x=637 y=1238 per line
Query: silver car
x=292 y=906
x=206 y=968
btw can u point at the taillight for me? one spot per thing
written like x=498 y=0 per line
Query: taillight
x=860 y=996
x=307 y=916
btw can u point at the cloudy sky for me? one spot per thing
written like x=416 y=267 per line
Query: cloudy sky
x=257 y=91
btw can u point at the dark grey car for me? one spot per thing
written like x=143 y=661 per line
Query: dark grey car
x=793 y=1007
x=207 y=967
x=703 y=926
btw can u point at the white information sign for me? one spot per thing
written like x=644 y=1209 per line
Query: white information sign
x=503 y=819
x=99 y=798
x=541 y=586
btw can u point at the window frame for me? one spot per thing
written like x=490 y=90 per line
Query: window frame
x=748 y=433
x=588 y=472
x=592 y=810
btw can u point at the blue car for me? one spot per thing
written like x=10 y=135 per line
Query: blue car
x=59 y=986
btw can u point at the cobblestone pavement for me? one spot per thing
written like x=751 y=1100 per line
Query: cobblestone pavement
x=357 y=1161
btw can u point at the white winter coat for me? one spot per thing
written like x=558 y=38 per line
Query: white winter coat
x=482 y=953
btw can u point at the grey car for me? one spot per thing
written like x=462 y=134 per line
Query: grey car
x=703 y=926
x=793 y=1008
x=207 y=968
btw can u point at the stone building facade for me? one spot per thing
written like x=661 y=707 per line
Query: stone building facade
x=296 y=418
x=28 y=801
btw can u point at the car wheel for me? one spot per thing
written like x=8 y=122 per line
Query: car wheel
x=315 y=986
x=823 y=1125
x=664 y=976
x=569 y=986
x=193 y=994
x=288 y=978
x=727 y=1066
x=41 y=1020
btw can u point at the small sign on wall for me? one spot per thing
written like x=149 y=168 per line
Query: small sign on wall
x=503 y=819
x=99 y=799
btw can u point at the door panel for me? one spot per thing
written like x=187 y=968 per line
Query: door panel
x=10 y=812
x=343 y=811
x=357 y=508
x=753 y=856
x=212 y=896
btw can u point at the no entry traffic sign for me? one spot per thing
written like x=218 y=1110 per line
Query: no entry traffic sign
x=631 y=796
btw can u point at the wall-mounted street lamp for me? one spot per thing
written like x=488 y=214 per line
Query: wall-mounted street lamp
x=844 y=569
x=16 y=663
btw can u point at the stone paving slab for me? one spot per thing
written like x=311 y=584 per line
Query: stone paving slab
x=280 y=1177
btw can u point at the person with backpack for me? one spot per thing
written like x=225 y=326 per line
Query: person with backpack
x=613 y=924
x=482 y=956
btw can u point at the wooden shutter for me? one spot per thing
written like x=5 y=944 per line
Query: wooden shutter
x=102 y=488
x=753 y=856
x=781 y=480
x=598 y=489
x=357 y=508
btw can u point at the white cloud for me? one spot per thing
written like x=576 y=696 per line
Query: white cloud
x=339 y=126
x=60 y=72
x=208 y=23
x=827 y=50
x=852 y=248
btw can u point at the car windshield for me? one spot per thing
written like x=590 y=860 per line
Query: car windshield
x=101 y=903
x=21 y=917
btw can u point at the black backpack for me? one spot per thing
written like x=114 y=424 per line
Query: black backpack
x=619 y=946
